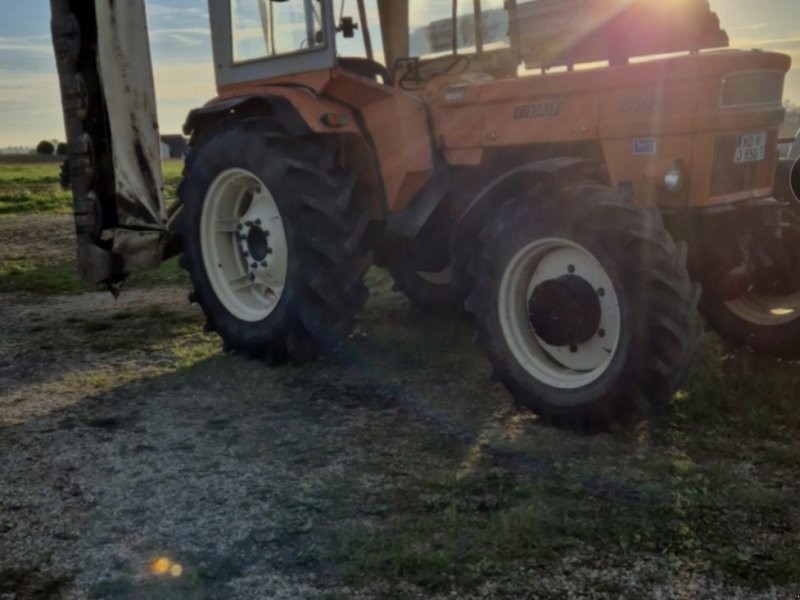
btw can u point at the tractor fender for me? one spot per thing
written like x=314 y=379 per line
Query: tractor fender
x=297 y=111
x=280 y=108
x=508 y=186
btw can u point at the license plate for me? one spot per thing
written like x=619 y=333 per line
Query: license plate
x=751 y=147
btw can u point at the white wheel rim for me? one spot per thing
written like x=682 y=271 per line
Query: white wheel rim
x=244 y=246
x=557 y=366
x=769 y=311
x=766 y=311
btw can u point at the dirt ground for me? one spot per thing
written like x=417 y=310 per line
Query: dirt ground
x=127 y=437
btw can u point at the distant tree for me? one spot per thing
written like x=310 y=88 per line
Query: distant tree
x=45 y=147
x=791 y=124
x=61 y=149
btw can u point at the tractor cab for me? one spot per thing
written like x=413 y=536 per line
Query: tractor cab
x=405 y=43
x=385 y=41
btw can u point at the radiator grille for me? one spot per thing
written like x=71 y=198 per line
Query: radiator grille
x=729 y=177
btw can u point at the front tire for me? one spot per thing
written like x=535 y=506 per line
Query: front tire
x=585 y=307
x=272 y=241
x=767 y=323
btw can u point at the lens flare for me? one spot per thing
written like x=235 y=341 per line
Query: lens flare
x=160 y=566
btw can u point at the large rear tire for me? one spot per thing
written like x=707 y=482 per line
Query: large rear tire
x=584 y=306
x=272 y=241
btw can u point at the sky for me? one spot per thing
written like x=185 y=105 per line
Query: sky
x=30 y=108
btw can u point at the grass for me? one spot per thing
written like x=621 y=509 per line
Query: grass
x=460 y=532
x=27 y=275
x=61 y=277
x=139 y=330
x=32 y=188
x=35 y=188
x=708 y=490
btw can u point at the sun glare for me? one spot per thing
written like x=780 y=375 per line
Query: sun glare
x=164 y=566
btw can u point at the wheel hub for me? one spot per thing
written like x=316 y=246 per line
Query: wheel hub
x=257 y=243
x=254 y=242
x=565 y=311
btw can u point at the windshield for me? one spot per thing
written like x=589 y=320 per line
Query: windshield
x=262 y=28
x=431 y=27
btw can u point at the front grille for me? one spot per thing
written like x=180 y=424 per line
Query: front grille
x=729 y=177
x=752 y=88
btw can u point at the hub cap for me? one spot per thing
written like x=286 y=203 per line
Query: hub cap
x=244 y=246
x=559 y=313
x=565 y=311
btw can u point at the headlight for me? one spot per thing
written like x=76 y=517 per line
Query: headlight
x=673 y=177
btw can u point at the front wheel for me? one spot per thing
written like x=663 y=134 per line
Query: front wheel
x=767 y=318
x=272 y=241
x=584 y=306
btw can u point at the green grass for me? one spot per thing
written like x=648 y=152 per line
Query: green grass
x=451 y=531
x=35 y=188
x=709 y=489
x=140 y=330
x=29 y=276
x=32 y=188
x=28 y=201
x=61 y=277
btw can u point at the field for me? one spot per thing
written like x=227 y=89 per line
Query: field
x=393 y=468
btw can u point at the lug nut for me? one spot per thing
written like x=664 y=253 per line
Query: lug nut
x=601 y=292
x=254 y=265
x=246 y=254
x=258 y=221
x=264 y=264
x=239 y=226
x=252 y=277
x=571 y=268
x=601 y=333
x=248 y=223
x=573 y=349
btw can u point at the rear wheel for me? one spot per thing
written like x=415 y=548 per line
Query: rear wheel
x=766 y=319
x=272 y=242
x=585 y=325
x=423 y=269
x=432 y=289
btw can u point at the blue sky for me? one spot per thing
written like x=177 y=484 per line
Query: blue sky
x=29 y=103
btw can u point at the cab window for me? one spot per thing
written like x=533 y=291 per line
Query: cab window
x=264 y=29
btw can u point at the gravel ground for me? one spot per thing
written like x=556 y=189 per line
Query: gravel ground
x=127 y=438
x=245 y=476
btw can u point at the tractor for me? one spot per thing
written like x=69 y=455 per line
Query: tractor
x=567 y=175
